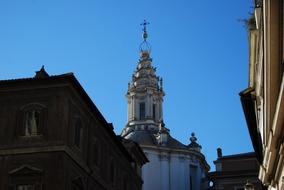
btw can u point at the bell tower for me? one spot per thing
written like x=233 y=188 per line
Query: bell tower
x=168 y=158
x=145 y=93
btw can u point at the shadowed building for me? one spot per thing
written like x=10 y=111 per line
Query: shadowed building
x=52 y=136
x=263 y=100
x=233 y=171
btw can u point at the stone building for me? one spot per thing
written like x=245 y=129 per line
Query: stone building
x=263 y=100
x=232 y=172
x=172 y=165
x=52 y=136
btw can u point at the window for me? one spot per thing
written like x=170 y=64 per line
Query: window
x=25 y=187
x=142 y=110
x=78 y=133
x=26 y=177
x=31 y=122
x=154 y=111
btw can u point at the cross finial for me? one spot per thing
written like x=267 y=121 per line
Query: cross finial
x=145 y=47
x=144 y=24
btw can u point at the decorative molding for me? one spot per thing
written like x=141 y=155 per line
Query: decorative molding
x=33 y=105
x=65 y=149
x=26 y=168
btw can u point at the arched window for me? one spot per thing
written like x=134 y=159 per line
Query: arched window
x=78 y=133
x=32 y=120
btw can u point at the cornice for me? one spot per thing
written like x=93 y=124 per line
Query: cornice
x=198 y=155
x=46 y=149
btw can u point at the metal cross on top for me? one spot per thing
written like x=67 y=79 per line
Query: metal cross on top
x=145 y=23
x=145 y=35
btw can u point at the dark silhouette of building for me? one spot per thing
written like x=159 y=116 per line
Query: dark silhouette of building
x=52 y=136
x=234 y=171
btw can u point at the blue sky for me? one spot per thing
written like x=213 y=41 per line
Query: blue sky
x=199 y=48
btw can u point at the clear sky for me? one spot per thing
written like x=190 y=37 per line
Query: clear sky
x=200 y=49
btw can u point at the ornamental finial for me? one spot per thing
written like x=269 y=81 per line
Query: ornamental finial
x=145 y=47
x=41 y=73
x=145 y=35
x=193 y=139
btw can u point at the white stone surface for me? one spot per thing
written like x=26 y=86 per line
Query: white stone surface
x=170 y=171
x=171 y=164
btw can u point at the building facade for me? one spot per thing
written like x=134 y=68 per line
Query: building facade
x=232 y=172
x=52 y=136
x=172 y=165
x=263 y=100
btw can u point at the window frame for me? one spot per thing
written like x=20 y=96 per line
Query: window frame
x=24 y=110
x=26 y=175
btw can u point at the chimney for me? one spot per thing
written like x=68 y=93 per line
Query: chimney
x=219 y=152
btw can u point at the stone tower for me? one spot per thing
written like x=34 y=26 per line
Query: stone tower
x=172 y=165
x=145 y=94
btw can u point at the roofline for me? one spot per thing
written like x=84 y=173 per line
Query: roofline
x=175 y=150
x=77 y=86
x=248 y=99
x=241 y=155
x=230 y=174
x=108 y=126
